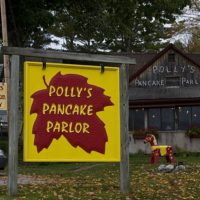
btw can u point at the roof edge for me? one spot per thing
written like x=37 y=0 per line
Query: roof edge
x=157 y=56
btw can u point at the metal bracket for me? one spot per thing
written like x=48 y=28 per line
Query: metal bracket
x=102 y=68
x=44 y=65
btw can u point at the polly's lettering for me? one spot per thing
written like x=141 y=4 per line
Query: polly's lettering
x=173 y=69
x=148 y=83
x=185 y=81
x=67 y=109
x=2 y=96
x=158 y=83
x=70 y=91
x=67 y=127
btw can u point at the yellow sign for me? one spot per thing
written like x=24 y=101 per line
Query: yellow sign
x=3 y=96
x=71 y=113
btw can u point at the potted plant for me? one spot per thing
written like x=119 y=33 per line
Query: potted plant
x=193 y=132
x=141 y=133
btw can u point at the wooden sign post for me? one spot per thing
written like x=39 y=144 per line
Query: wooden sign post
x=124 y=164
x=14 y=96
x=13 y=126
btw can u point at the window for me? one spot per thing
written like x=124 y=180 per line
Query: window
x=167 y=119
x=173 y=81
x=171 y=57
x=131 y=119
x=138 y=119
x=184 y=117
x=195 y=116
x=154 y=118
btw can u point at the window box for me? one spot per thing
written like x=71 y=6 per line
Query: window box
x=139 y=136
x=193 y=132
x=194 y=136
x=141 y=133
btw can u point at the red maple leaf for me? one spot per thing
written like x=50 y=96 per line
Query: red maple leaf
x=68 y=107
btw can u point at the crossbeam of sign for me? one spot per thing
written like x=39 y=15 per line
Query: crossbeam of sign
x=68 y=106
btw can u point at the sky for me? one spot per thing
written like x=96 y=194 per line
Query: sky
x=191 y=20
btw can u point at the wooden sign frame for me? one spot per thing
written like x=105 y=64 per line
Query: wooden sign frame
x=14 y=101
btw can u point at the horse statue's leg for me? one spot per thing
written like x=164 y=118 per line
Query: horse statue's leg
x=155 y=155
x=152 y=161
x=170 y=155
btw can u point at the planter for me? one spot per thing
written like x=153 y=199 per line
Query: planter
x=193 y=136
x=193 y=132
x=141 y=133
x=142 y=136
x=139 y=137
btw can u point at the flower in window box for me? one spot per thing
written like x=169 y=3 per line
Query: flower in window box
x=193 y=132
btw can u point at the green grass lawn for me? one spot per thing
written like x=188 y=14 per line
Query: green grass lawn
x=101 y=180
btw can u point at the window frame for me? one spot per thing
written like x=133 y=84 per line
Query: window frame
x=171 y=57
x=176 y=118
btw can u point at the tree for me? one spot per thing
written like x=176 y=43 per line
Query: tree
x=28 y=21
x=91 y=25
x=193 y=44
x=131 y=25
x=187 y=25
x=79 y=23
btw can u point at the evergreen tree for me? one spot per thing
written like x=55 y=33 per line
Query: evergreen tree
x=129 y=25
x=91 y=25
x=29 y=20
x=187 y=25
x=194 y=43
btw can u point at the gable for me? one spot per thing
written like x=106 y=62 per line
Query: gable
x=171 y=69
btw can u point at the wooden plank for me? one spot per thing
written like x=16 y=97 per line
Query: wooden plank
x=124 y=164
x=103 y=58
x=5 y=40
x=164 y=93
x=13 y=126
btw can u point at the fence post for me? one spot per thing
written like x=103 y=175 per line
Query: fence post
x=124 y=164
x=13 y=126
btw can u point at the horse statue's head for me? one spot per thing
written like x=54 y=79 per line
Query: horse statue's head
x=151 y=139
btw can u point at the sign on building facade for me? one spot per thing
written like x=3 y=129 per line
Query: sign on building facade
x=172 y=69
x=71 y=113
x=3 y=96
x=169 y=75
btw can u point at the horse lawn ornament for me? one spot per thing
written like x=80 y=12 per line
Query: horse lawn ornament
x=159 y=150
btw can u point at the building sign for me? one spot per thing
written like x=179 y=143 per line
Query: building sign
x=71 y=113
x=166 y=76
x=3 y=96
